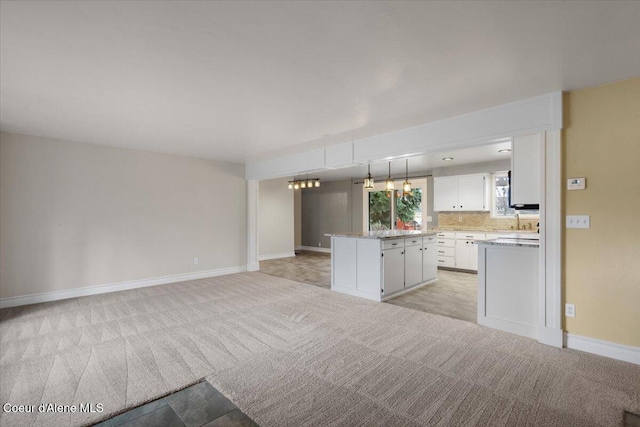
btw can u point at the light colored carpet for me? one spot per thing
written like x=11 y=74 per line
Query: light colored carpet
x=290 y=354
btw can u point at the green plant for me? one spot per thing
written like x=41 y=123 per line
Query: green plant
x=379 y=210
x=408 y=205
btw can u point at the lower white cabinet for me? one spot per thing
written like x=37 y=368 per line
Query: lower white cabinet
x=412 y=265
x=378 y=269
x=429 y=261
x=466 y=254
x=393 y=270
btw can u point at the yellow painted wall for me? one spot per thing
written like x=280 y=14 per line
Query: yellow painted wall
x=602 y=264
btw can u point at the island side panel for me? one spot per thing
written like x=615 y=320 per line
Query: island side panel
x=343 y=260
x=369 y=270
x=507 y=289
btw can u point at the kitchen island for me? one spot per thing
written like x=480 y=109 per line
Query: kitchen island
x=379 y=265
x=508 y=272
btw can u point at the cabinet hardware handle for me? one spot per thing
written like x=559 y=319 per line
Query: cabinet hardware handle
x=393 y=244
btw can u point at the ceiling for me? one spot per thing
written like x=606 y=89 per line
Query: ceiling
x=246 y=81
x=422 y=163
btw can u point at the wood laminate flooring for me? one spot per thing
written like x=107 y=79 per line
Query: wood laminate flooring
x=454 y=294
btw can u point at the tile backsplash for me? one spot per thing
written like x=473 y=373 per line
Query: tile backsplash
x=483 y=221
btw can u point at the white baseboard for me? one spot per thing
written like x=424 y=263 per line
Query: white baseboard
x=550 y=336
x=313 y=249
x=113 y=287
x=276 y=256
x=622 y=352
x=253 y=267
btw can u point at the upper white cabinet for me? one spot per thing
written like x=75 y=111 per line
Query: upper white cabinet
x=461 y=193
x=525 y=169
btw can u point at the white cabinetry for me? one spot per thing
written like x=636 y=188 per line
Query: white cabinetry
x=461 y=193
x=467 y=250
x=413 y=265
x=445 y=193
x=446 y=241
x=525 y=169
x=382 y=268
x=393 y=270
x=429 y=259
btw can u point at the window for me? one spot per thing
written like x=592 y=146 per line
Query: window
x=407 y=210
x=500 y=190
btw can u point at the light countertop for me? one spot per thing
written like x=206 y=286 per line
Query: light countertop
x=383 y=234
x=512 y=240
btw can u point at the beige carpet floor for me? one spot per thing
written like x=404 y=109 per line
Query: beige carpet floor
x=290 y=354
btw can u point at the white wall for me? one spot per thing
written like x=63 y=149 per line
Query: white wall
x=74 y=215
x=275 y=219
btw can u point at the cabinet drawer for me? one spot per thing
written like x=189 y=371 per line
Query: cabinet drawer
x=446 y=235
x=469 y=236
x=443 y=251
x=446 y=243
x=446 y=261
x=392 y=243
x=412 y=241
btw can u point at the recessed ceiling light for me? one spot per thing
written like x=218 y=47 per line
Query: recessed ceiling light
x=505 y=150
x=447 y=158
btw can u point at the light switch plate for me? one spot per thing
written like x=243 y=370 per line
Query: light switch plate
x=578 y=221
x=576 y=183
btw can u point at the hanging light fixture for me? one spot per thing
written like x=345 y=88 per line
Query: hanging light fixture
x=389 y=185
x=368 y=181
x=309 y=182
x=290 y=185
x=317 y=182
x=406 y=185
x=296 y=185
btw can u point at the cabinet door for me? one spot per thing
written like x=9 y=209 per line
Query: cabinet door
x=473 y=256
x=472 y=192
x=393 y=270
x=461 y=254
x=429 y=261
x=525 y=169
x=445 y=193
x=412 y=266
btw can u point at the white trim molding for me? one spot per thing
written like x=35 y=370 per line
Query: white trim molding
x=276 y=256
x=313 y=249
x=114 y=287
x=622 y=352
x=538 y=114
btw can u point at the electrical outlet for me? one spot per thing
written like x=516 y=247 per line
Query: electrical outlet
x=570 y=310
x=460 y=218
x=319 y=244
x=578 y=221
x=196 y=261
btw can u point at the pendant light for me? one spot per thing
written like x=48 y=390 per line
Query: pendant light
x=309 y=182
x=389 y=185
x=317 y=182
x=406 y=185
x=290 y=185
x=296 y=185
x=368 y=181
